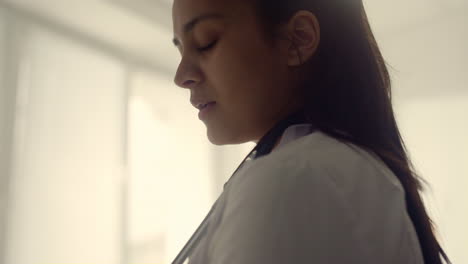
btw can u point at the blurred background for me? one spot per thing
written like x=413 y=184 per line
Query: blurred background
x=104 y=161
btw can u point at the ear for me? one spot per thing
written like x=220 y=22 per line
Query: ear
x=303 y=32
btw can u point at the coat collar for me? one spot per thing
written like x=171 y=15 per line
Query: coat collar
x=294 y=132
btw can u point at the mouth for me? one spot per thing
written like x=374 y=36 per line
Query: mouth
x=205 y=109
x=202 y=106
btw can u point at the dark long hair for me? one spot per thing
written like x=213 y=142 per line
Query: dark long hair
x=348 y=95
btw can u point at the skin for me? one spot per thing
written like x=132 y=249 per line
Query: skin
x=252 y=80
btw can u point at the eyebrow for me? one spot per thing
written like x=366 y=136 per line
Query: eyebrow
x=190 y=25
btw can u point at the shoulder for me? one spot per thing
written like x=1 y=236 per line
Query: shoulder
x=321 y=156
x=314 y=196
x=318 y=163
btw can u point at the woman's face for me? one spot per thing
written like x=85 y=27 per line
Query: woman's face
x=226 y=59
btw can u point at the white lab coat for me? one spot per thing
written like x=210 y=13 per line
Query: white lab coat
x=312 y=200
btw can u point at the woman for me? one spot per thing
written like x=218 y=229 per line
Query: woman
x=329 y=180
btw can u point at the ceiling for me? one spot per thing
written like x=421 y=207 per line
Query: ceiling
x=124 y=25
x=142 y=29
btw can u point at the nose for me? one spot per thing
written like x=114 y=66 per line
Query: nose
x=188 y=75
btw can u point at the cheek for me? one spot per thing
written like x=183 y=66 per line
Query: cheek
x=243 y=77
x=243 y=72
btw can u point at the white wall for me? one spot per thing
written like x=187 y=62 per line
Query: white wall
x=68 y=202
x=171 y=169
x=436 y=132
x=3 y=128
x=428 y=67
x=64 y=203
x=2 y=70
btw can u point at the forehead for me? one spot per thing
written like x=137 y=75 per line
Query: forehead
x=183 y=11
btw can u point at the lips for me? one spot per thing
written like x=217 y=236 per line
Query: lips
x=206 y=109
x=201 y=106
x=201 y=103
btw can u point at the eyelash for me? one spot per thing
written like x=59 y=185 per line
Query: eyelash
x=206 y=48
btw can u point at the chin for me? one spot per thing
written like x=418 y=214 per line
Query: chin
x=218 y=138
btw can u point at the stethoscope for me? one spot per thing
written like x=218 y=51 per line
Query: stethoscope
x=263 y=147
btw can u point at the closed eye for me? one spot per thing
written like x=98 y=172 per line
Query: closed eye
x=206 y=48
